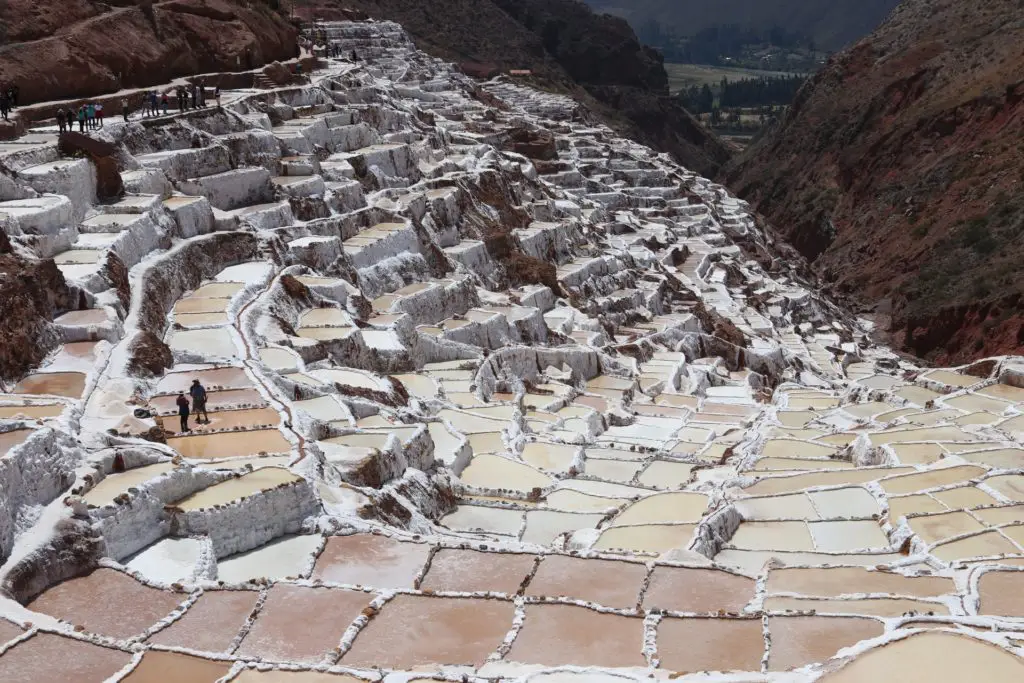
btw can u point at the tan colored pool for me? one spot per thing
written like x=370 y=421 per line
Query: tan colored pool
x=66 y=384
x=837 y=581
x=230 y=444
x=650 y=538
x=932 y=657
x=114 y=485
x=39 y=411
x=238 y=488
x=556 y=635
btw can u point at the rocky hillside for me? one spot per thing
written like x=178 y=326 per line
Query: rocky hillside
x=596 y=59
x=831 y=23
x=55 y=49
x=898 y=172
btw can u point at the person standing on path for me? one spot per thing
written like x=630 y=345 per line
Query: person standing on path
x=124 y=109
x=164 y=103
x=198 y=393
x=182 y=403
x=216 y=94
x=90 y=115
x=14 y=96
x=62 y=120
x=99 y=114
x=81 y=119
x=5 y=105
x=152 y=102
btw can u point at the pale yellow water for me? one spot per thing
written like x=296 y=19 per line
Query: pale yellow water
x=544 y=526
x=878 y=607
x=980 y=545
x=66 y=384
x=549 y=456
x=9 y=440
x=666 y=474
x=495 y=472
x=230 y=444
x=795 y=506
x=912 y=483
x=34 y=412
x=238 y=488
x=653 y=538
x=793 y=536
x=932 y=657
x=575 y=501
x=114 y=485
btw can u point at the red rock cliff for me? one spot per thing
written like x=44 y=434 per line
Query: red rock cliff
x=54 y=49
x=899 y=173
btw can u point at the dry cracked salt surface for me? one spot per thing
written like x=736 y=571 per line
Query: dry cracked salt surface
x=474 y=416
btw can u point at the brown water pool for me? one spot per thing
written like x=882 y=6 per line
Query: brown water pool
x=471 y=571
x=107 y=602
x=370 y=560
x=413 y=631
x=211 y=623
x=605 y=582
x=555 y=635
x=299 y=624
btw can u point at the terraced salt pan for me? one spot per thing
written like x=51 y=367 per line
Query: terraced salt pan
x=922 y=481
x=61 y=659
x=798 y=640
x=212 y=379
x=1009 y=485
x=931 y=657
x=664 y=508
x=39 y=411
x=115 y=484
x=172 y=667
x=280 y=359
x=604 y=582
x=65 y=384
x=837 y=581
x=666 y=474
x=549 y=456
x=797 y=482
x=238 y=488
x=107 y=602
x=421 y=632
x=321 y=614
x=558 y=635
x=215 y=400
x=168 y=560
x=213 y=343
x=371 y=560
x=221 y=445
x=984 y=544
x=650 y=538
x=485 y=519
x=574 y=501
x=284 y=557
x=12 y=439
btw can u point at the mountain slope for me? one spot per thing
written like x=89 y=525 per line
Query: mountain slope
x=898 y=172
x=54 y=49
x=596 y=59
x=831 y=23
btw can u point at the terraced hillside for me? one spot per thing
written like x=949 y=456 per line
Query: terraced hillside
x=493 y=394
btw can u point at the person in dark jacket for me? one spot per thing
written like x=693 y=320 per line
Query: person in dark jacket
x=182 y=403
x=198 y=393
x=5 y=104
x=62 y=121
